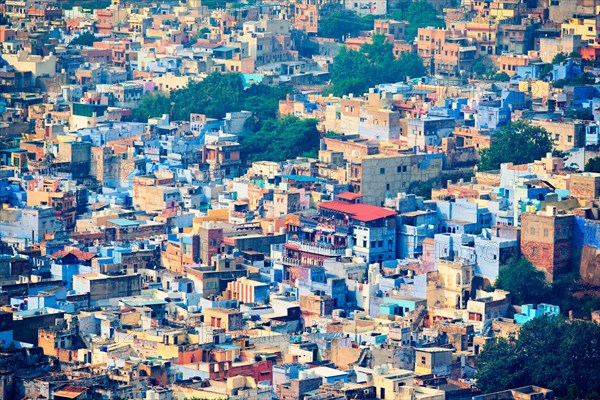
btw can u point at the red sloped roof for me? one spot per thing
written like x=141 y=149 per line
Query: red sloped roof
x=359 y=212
x=80 y=255
x=349 y=196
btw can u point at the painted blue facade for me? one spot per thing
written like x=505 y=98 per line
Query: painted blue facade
x=530 y=312
x=65 y=272
x=587 y=232
x=492 y=115
x=462 y=216
x=568 y=69
x=399 y=306
x=528 y=71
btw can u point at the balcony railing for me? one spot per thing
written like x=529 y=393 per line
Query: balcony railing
x=319 y=248
x=291 y=261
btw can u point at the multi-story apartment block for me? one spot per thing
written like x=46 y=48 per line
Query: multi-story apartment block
x=547 y=240
x=56 y=194
x=428 y=131
x=446 y=52
x=306 y=17
x=393 y=30
x=365 y=230
x=585 y=26
x=379 y=176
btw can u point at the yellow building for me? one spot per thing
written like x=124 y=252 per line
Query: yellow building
x=586 y=26
x=453 y=286
x=433 y=360
x=39 y=66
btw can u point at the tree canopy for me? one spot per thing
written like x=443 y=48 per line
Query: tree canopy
x=282 y=139
x=584 y=79
x=263 y=102
x=419 y=14
x=85 y=39
x=483 y=70
x=539 y=357
x=152 y=105
x=519 y=143
x=501 y=77
x=343 y=23
x=526 y=284
x=357 y=71
x=593 y=165
x=215 y=96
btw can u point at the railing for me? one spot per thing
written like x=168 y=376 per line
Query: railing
x=322 y=249
x=291 y=261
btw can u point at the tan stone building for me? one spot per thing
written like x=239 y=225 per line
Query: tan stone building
x=585 y=186
x=546 y=241
x=380 y=175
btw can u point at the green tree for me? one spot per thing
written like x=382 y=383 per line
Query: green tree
x=357 y=71
x=282 y=139
x=420 y=14
x=545 y=69
x=519 y=143
x=85 y=4
x=550 y=352
x=343 y=23
x=201 y=34
x=263 y=102
x=579 y=113
x=526 y=284
x=583 y=79
x=214 y=96
x=495 y=357
x=480 y=69
x=593 y=165
x=152 y=105
x=558 y=58
x=501 y=77
x=85 y=39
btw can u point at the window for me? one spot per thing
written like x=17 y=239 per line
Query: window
x=381 y=171
x=545 y=232
x=534 y=251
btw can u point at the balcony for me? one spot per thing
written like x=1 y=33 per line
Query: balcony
x=326 y=224
x=291 y=261
x=319 y=248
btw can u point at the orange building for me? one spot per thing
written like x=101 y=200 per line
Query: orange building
x=446 y=51
x=510 y=63
x=306 y=17
x=50 y=192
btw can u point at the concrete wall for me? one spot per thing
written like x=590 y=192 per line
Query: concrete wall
x=383 y=176
x=26 y=329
